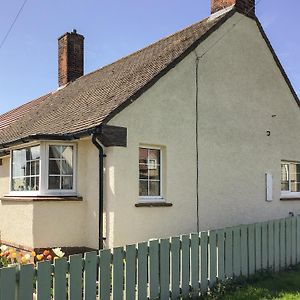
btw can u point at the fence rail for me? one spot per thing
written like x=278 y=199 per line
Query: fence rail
x=159 y=269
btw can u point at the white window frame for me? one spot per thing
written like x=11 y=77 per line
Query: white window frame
x=160 y=198
x=44 y=169
x=289 y=193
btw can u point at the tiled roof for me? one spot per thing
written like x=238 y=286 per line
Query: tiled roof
x=94 y=98
x=17 y=113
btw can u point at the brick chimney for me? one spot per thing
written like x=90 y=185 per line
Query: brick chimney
x=246 y=7
x=70 y=57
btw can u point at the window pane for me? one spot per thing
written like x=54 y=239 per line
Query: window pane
x=143 y=171
x=143 y=188
x=37 y=183
x=284 y=186
x=54 y=167
x=67 y=167
x=18 y=184
x=154 y=188
x=295 y=186
x=67 y=183
x=284 y=177
x=54 y=183
x=67 y=154
x=27 y=183
x=154 y=157
x=154 y=174
x=143 y=155
x=28 y=167
x=35 y=153
x=54 y=151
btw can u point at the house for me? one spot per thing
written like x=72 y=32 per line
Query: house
x=199 y=130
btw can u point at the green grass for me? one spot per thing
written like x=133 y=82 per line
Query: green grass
x=283 y=286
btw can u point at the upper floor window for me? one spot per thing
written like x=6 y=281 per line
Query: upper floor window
x=290 y=177
x=47 y=168
x=150 y=172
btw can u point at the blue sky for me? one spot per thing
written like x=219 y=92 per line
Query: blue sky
x=112 y=29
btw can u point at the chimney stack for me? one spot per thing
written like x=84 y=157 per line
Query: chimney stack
x=246 y=7
x=70 y=57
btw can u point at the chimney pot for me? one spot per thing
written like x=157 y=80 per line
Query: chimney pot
x=70 y=57
x=246 y=7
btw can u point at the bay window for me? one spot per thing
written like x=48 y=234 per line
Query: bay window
x=43 y=169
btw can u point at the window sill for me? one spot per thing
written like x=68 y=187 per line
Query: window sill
x=153 y=204
x=39 y=198
x=290 y=199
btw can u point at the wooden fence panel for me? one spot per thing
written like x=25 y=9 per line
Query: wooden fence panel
x=204 y=261
x=282 y=244
x=60 y=279
x=142 y=270
x=228 y=253
x=271 y=245
x=130 y=272
x=44 y=280
x=251 y=249
x=276 y=245
x=195 y=263
x=298 y=238
x=164 y=268
x=258 y=262
x=118 y=273
x=8 y=283
x=25 y=287
x=288 y=246
x=154 y=269
x=175 y=267
x=294 y=241
x=244 y=250
x=212 y=258
x=105 y=259
x=264 y=245
x=90 y=275
x=185 y=264
x=75 y=277
x=236 y=251
x=221 y=254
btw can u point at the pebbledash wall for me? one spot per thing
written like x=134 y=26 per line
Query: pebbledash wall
x=240 y=88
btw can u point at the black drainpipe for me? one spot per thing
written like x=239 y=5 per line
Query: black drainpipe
x=101 y=188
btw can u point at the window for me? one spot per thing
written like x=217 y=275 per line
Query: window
x=25 y=169
x=150 y=172
x=290 y=177
x=60 y=167
x=43 y=169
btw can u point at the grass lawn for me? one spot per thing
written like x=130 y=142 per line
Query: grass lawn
x=283 y=286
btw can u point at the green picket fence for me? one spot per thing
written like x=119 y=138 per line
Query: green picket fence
x=184 y=266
